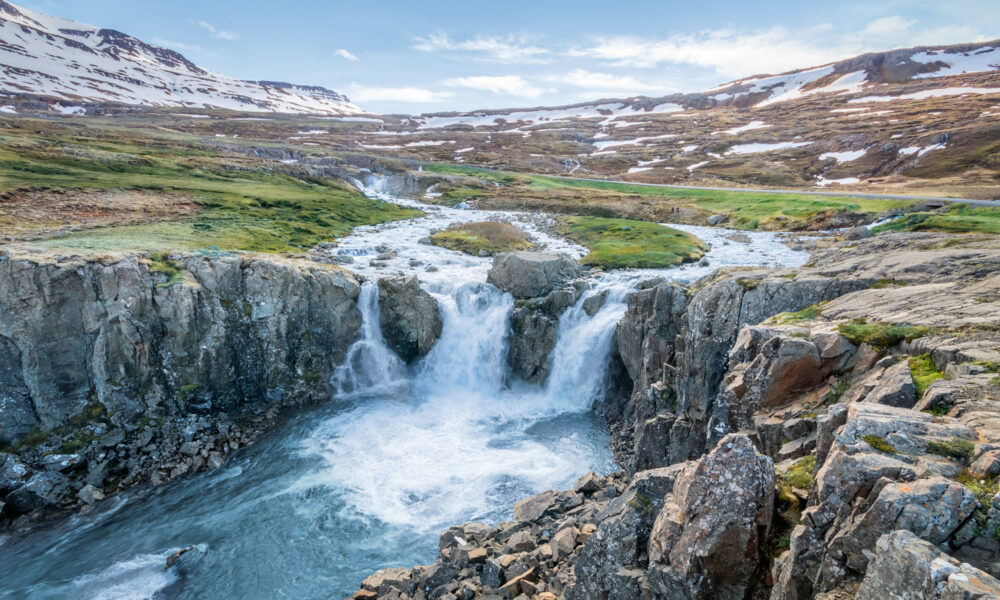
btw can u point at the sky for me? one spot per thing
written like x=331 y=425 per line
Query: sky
x=394 y=56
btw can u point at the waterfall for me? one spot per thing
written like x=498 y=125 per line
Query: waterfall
x=471 y=355
x=583 y=347
x=370 y=365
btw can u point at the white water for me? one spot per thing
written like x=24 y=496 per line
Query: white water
x=403 y=451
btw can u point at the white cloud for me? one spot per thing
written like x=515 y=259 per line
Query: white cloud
x=741 y=53
x=413 y=95
x=603 y=81
x=506 y=49
x=726 y=51
x=179 y=46
x=343 y=53
x=218 y=33
x=510 y=85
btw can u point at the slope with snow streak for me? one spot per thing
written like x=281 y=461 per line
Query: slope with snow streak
x=73 y=62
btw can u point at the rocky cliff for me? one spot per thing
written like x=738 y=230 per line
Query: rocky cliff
x=120 y=368
x=832 y=432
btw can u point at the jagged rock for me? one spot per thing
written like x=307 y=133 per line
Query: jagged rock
x=707 y=542
x=234 y=330
x=386 y=580
x=987 y=465
x=410 y=318
x=531 y=509
x=909 y=568
x=588 y=483
x=612 y=561
x=532 y=274
x=41 y=491
x=894 y=387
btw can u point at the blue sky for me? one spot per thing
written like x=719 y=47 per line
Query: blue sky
x=411 y=57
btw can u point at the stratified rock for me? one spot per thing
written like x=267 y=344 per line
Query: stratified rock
x=894 y=387
x=534 y=329
x=532 y=274
x=411 y=321
x=707 y=541
x=906 y=567
x=41 y=491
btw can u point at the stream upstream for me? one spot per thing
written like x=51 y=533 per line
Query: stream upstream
x=370 y=479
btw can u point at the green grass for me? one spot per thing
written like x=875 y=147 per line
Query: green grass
x=161 y=263
x=622 y=243
x=484 y=236
x=880 y=444
x=924 y=373
x=880 y=335
x=809 y=313
x=800 y=475
x=957 y=448
x=242 y=207
x=958 y=218
x=984 y=489
x=745 y=209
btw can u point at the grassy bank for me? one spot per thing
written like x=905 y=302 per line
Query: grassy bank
x=745 y=209
x=482 y=237
x=238 y=203
x=622 y=243
x=958 y=218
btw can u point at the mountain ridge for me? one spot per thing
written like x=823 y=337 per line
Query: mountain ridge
x=52 y=57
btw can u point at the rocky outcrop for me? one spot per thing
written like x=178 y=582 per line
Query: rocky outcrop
x=708 y=541
x=125 y=367
x=410 y=318
x=534 y=331
x=906 y=566
x=532 y=274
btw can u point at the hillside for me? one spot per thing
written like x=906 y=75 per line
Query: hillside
x=69 y=64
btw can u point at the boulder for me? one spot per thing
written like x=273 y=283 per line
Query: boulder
x=906 y=567
x=857 y=233
x=410 y=318
x=43 y=490
x=13 y=473
x=532 y=274
x=707 y=542
x=532 y=509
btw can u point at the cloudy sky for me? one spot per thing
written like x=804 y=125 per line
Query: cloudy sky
x=431 y=55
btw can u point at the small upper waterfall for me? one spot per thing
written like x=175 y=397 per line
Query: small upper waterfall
x=369 y=364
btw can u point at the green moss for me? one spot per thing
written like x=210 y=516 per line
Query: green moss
x=880 y=444
x=809 y=313
x=880 y=335
x=642 y=503
x=186 y=391
x=800 y=475
x=938 y=410
x=957 y=218
x=984 y=489
x=885 y=282
x=837 y=391
x=957 y=448
x=484 y=236
x=924 y=373
x=160 y=263
x=622 y=243
x=748 y=284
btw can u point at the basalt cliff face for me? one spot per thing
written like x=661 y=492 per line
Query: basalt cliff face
x=123 y=368
x=785 y=435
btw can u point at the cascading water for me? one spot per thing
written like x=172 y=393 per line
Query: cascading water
x=369 y=364
x=367 y=482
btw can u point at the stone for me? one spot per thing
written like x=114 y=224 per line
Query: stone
x=987 y=465
x=906 y=567
x=410 y=318
x=895 y=387
x=857 y=233
x=588 y=483
x=532 y=274
x=564 y=542
x=13 y=473
x=522 y=541
x=714 y=220
x=532 y=509
x=477 y=555
x=436 y=575
x=43 y=490
x=383 y=581
x=176 y=556
x=89 y=494
x=533 y=336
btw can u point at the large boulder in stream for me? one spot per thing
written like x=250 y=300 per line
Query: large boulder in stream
x=532 y=274
x=411 y=322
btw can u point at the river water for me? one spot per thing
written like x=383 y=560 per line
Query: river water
x=371 y=478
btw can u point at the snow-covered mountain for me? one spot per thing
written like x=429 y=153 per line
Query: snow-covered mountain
x=57 y=58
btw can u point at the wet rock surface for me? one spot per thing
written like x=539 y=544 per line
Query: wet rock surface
x=532 y=274
x=410 y=319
